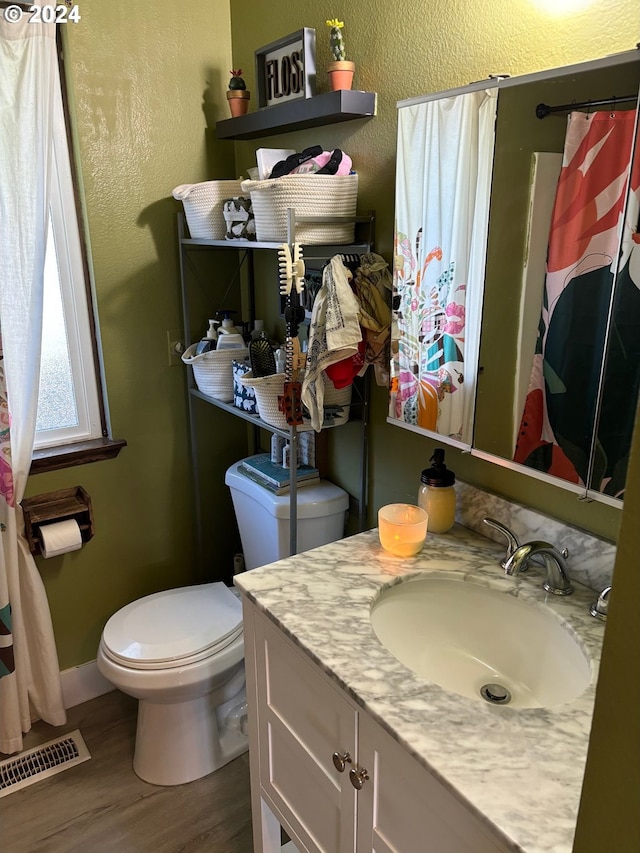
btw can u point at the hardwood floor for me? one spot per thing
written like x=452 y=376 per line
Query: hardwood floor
x=101 y=806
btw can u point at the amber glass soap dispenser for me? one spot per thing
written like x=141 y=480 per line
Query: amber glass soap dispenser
x=436 y=494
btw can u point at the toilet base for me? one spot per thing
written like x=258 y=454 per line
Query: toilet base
x=183 y=741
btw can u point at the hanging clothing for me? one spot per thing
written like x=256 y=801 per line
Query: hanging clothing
x=371 y=286
x=560 y=410
x=334 y=334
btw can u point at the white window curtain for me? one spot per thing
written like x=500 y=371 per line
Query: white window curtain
x=29 y=673
x=443 y=184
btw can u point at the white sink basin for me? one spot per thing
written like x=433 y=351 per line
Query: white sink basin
x=464 y=635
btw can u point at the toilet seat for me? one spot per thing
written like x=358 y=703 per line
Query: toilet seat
x=173 y=628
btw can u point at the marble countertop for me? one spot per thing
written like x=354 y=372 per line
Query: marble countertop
x=519 y=770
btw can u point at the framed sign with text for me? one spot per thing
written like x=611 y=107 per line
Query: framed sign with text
x=286 y=69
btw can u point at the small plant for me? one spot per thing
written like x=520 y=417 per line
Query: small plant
x=238 y=95
x=336 y=41
x=236 y=82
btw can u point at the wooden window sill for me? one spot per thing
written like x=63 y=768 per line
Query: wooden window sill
x=80 y=453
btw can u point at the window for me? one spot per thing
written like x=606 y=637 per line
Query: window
x=69 y=407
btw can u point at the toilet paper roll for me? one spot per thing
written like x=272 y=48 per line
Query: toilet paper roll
x=60 y=537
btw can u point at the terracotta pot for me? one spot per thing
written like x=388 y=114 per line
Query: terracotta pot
x=341 y=74
x=238 y=101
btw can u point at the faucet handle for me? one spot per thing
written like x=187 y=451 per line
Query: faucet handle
x=600 y=608
x=512 y=540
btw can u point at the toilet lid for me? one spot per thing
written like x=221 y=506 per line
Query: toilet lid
x=167 y=628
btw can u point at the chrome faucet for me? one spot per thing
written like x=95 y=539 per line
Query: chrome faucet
x=518 y=557
x=512 y=540
x=600 y=608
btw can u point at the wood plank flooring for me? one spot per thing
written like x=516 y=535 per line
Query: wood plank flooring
x=101 y=806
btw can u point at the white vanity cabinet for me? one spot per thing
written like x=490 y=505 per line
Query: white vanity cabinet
x=299 y=718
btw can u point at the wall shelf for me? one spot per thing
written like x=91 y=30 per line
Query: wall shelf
x=328 y=108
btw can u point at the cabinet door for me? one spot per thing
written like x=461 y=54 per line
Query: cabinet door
x=302 y=720
x=402 y=808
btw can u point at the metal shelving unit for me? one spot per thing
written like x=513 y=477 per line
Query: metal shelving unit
x=187 y=244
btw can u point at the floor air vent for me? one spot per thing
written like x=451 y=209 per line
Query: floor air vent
x=42 y=761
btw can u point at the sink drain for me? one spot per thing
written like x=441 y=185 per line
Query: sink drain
x=496 y=694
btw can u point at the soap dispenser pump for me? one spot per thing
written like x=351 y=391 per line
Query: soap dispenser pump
x=437 y=495
x=210 y=340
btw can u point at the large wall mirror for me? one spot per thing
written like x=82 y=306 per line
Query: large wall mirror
x=520 y=340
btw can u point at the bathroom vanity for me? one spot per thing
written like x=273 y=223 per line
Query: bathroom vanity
x=352 y=751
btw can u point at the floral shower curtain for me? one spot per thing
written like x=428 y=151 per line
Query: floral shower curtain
x=560 y=411
x=29 y=673
x=444 y=166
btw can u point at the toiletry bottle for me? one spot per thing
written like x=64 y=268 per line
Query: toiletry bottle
x=258 y=329
x=229 y=337
x=210 y=340
x=437 y=495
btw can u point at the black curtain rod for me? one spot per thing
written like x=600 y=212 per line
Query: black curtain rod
x=543 y=110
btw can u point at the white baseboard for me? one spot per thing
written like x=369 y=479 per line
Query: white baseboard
x=82 y=683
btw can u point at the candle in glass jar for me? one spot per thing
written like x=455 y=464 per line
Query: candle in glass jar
x=402 y=529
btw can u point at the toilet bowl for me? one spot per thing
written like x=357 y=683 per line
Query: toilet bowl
x=180 y=652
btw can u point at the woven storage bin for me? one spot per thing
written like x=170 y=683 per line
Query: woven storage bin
x=308 y=195
x=268 y=388
x=213 y=370
x=336 y=405
x=203 y=207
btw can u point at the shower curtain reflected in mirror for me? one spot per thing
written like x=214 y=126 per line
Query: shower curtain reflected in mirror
x=443 y=182
x=621 y=379
x=563 y=399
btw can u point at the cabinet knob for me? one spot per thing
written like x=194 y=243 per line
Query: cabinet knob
x=358 y=777
x=340 y=760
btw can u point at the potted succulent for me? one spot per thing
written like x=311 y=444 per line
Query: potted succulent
x=238 y=96
x=341 y=69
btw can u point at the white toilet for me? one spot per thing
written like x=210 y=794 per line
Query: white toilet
x=181 y=652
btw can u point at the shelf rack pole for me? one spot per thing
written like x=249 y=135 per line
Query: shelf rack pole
x=364 y=457
x=193 y=433
x=293 y=430
x=252 y=290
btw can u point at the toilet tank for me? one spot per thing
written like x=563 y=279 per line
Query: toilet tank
x=263 y=518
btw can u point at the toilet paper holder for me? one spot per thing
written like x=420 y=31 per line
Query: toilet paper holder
x=57 y=506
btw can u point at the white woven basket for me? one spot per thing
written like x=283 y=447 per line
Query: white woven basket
x=268 y=388
x=203 y=207
x=213 y=371
x=337 y=403
x=309 y=195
